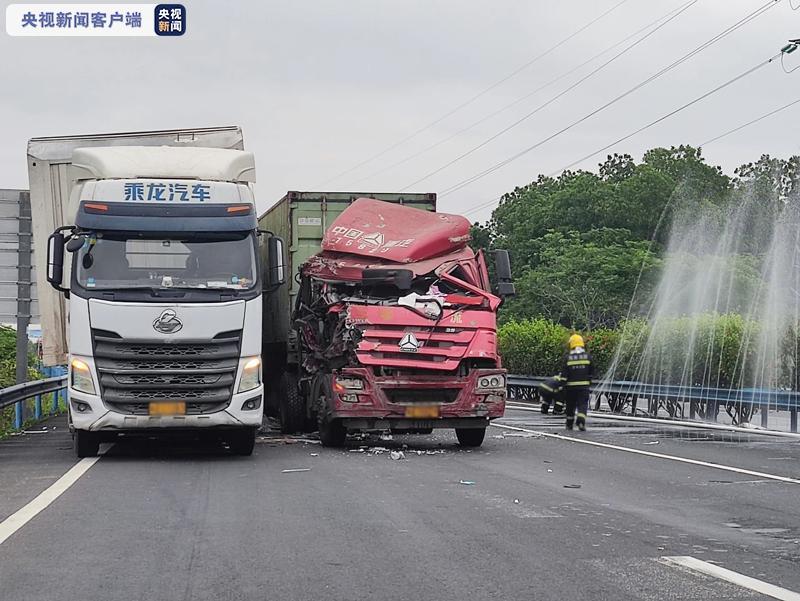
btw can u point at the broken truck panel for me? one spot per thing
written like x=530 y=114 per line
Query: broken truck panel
x=371 y=228
x=340 y=267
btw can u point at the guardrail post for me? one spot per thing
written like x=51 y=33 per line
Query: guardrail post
x=764 y=414
x=37 y=406
x=793 y=419
x=56 y=395
x=18 y=419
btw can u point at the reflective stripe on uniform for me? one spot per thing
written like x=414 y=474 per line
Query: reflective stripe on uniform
x=579 y=362
x=546 y=387
x=582 y=415
x=579 y=383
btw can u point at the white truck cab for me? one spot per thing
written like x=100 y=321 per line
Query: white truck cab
x=164 y=293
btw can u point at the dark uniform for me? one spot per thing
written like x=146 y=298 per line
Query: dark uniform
x=551 y=393
x=577 y=370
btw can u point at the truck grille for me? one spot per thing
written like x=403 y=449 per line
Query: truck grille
x=421 y=395
x=440 y=348
x=133 y=374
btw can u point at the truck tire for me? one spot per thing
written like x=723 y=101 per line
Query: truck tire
x=85 y=443
x=470 y=437
x=291 y=404
x=332 y=433
x=242 y=441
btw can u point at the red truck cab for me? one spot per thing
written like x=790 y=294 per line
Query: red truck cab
x=396 y=323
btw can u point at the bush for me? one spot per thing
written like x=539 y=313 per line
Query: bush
x=534 y=346
x=709 y=349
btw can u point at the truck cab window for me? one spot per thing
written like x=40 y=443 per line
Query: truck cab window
x=207 y=261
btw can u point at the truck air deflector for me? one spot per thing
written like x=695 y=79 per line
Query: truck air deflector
x=121 y=216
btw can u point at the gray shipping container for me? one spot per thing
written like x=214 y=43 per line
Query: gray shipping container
x=48 y=163
x=301 y=218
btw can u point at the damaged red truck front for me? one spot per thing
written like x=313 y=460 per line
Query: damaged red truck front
x=395 y=328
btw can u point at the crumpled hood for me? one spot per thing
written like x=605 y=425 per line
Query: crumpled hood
x=392 y=232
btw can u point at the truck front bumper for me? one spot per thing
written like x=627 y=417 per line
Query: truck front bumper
x=100 y=418
x=392 y=400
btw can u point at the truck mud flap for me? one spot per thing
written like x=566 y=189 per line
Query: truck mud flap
x=414 y=424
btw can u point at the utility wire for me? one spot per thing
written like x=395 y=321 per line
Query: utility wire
x=466 y=103
x=489 y=203
x=550 y=101
x=745 y=20
x=749 y=123
x=511 y=104
x=672 y=112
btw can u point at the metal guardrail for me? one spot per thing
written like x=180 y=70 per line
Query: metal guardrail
x=704 y=402
x=17 y=394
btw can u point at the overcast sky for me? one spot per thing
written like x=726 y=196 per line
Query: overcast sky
x=320 y=86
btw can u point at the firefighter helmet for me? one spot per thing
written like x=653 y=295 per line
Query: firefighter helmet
x=575 y=341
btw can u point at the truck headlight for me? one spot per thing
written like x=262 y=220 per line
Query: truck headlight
x=81 y=378
x=492 y=382
x=343 y=384
x=251 y=374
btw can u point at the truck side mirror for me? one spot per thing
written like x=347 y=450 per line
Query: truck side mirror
x=55 y=261
x=276 y=265
x=502 y=269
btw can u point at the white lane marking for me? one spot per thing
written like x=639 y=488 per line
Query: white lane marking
x=718 y=466
x=715 y=571
x=675 y=422
x=17 y=520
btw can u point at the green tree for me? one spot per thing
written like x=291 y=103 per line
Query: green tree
x=584 y=281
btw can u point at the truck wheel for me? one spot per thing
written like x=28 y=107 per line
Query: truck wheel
x=86 y=443
x=242 y=441
x=292 y=407
x=332 y=433
x=470 y=437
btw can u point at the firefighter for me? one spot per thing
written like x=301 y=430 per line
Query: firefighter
x=551 y=392
x=577 y=372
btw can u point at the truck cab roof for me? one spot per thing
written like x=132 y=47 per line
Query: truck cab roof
x=131 y=162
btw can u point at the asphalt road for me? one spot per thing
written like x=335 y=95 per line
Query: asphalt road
x=524 y=517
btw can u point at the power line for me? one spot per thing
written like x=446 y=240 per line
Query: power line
x=674 y=111
x=512 y=104
x=550 y=101
x=495 y=200
x=745 y=20
x=466 y=103
x=749 y=123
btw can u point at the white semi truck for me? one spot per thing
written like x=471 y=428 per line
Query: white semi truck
x=159 y=263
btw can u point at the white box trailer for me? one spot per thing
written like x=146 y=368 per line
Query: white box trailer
x=49 y=160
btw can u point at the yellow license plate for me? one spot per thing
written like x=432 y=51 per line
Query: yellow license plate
x=168 y=408
x=423 y=412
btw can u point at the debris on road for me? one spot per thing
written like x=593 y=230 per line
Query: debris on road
x=396 y=455
x=549 y=471
x=516 y=501
x=466 y=482
x=315 y=454
x=572 y=486
x=652 y=442
x=295 y=470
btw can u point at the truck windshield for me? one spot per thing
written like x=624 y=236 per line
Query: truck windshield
x=110 y=261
